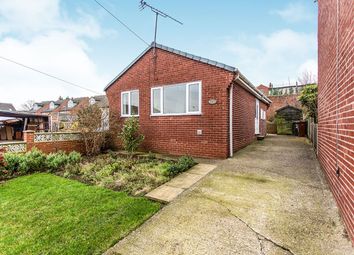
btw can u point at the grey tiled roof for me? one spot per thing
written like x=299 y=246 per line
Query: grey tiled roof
x=101 y=101
x=178 y=52
x=197 y=58
x=7 y=107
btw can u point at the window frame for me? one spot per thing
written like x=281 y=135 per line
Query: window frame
x=187 y=84
x=129 y=92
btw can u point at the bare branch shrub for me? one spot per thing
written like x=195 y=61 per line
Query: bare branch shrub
x=90 y=125
x=307 y=77
x=28 y=106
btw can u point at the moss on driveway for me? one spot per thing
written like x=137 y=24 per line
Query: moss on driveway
x=47 y=214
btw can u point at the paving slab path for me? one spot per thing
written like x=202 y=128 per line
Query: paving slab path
x=172 y=189
x=271 y=198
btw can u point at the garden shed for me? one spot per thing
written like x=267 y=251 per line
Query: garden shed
x=285 y=118
x=13 y=123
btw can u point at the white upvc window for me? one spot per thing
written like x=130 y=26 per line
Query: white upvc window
x=263 y=114
x=130 y=103
x=177 y=99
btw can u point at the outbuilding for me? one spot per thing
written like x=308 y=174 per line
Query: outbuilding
x=188 y=105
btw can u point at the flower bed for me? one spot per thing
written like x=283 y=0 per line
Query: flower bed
x=135 y=175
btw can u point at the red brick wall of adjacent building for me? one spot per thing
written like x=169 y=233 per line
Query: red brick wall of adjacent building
x=264 y=89
x=336 y=102
x=281 y=101
x=244 y=113
x=178 y=134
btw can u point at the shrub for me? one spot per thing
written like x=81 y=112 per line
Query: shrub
x=33 y=161
x=151 y=156
x=74 y=157
x=56 y=161
x=12 y=161
x=71 y=170
x=3 y=172
x=308 y=99
x=183 y=164
x=130 y=135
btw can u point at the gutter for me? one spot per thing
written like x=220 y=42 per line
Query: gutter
x=246 y=84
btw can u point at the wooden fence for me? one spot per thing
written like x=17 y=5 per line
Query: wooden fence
x=312 y=132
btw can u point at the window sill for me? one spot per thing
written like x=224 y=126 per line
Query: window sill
x=128 y=116
x=175 y=114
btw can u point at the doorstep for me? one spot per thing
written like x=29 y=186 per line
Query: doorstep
x=172 y=189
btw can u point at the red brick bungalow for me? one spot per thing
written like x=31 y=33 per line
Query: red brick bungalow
x=188 y=104
x=336 y=102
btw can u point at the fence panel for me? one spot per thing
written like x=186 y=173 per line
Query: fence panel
x=312 y=132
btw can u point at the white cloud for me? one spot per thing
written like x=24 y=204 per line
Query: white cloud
x=28 y=16
x=295 y=12
x=277 y=57
x=38 y=34
x=309 y=66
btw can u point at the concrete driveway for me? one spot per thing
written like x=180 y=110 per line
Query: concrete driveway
x=270 y=198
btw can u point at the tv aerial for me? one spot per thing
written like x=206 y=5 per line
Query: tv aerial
x=144 y=4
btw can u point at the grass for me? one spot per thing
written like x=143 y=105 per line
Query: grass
x=46 y=214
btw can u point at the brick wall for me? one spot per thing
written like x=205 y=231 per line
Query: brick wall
x=281 y=101
x=244 y=113
x=53 y=146
x=178 y=134
x=336 y=100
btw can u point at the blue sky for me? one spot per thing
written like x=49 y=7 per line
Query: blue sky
x=269 y=41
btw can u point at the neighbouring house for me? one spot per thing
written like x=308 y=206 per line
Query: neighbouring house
x=63 y=112
x=281 y=97
x=7 y=107
x=188 y=104
x=336 y=102
x=284 y=100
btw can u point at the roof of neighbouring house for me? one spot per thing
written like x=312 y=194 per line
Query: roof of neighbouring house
x=7 y=107
x=17 y=114
x=288 y=107
x=101 y=101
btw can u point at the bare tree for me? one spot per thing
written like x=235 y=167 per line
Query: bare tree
x=307 y=77
x=28 y=106
x=90 y=125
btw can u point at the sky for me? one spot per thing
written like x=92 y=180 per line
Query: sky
x=268 y=41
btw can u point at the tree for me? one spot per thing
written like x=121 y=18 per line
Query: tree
x=307 y=77
x=89 y=124
x=28 y=106
x=308 y=100
x=130 y=135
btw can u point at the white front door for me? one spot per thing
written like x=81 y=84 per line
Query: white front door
x=256 y=119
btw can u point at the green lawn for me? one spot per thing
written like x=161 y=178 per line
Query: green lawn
x=47 y=214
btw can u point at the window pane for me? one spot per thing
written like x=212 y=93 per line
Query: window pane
x=174 y=99
x=125 y=104
x=156 y=100
x=193 y=98
x=134 y=101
